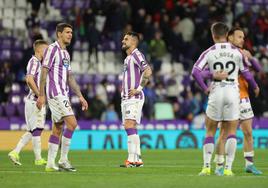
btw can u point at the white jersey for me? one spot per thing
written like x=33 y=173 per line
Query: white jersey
x=223 y=56
x=34 y=69
x=57 y=60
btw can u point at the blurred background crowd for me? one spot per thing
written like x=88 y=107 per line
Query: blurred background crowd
x=173 y=34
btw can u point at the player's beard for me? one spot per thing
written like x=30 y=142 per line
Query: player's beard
x=125 y=48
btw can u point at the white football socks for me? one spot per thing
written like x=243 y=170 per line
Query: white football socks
x=230 y=149
x=36 y=140
x=24 y=140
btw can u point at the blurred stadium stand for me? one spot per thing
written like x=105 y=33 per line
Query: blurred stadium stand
x=173 y=35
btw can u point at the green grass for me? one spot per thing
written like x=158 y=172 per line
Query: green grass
x=163 y=168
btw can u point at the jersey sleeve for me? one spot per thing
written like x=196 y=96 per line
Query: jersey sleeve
x=243 y=63
x=49 y=56
x=255 y=64
x=201 y=62
x=32 y=67
x=140 y=61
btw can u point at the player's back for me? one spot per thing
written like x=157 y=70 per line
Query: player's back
x=224 y=98
x=225 y=57
x=34 y=69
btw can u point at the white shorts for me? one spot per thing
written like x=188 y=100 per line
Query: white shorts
x=34 y=117
x=60 y=107
x=223 y=102
x=246 y=111
x=132 y=109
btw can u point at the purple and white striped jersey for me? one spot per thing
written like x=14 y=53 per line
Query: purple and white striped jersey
x=134 y=65
x=34 y=69
x=57 y=60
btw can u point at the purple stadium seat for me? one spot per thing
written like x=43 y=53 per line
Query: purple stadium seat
x=56 y=3
x=4 y=125
x=10 y=110
x=78 y=78
x=80 y=3
x=67 y=4
x=17 y=45
x=17 y=55
x=20 y=110
x=87 y=78
x=5 y=54
x=111 y=78
x=6 y=43
x=98 y=78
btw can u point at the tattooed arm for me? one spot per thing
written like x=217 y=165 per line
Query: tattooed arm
x=146 y=76
x=41 y=98
x=144 y=80
x=76 y=89
x=73 y=84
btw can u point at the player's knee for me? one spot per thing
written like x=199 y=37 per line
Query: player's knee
x=57 y=129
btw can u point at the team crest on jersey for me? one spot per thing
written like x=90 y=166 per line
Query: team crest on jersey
x=65 y=63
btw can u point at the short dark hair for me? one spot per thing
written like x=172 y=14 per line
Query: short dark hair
x=219 y=29
x=38 y=43
x=60 y=27
x=133 y=34
x=234 y=29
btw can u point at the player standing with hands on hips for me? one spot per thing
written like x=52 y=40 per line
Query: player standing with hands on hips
x=136 y=75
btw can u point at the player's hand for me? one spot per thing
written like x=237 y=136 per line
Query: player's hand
x=257 y=91
x=220 y=75
x=207 y=91
x=83 y=103
x=133 y=92
x=40 y=102
x=247 y=54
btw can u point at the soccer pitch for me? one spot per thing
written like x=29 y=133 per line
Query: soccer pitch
x=163 y=168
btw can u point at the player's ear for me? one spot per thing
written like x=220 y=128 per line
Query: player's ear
x=230 y=38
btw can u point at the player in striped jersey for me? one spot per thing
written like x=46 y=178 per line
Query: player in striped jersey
x=236 y=37
x=136 y=75
x=35 y=118
x=57 y=76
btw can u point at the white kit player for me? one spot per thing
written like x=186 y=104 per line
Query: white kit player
x=35 y=118
x=57 y=76
x=223 y=99
x=136 y=75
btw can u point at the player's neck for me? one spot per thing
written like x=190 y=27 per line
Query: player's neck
x=130 y=50
x=62 y=45
x=222 y=40
x=38 y=56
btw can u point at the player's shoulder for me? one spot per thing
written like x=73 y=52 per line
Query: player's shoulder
x=137 y=53
x=33 y=60
x=209 y=50
x=51 y=49
x=52 y=46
